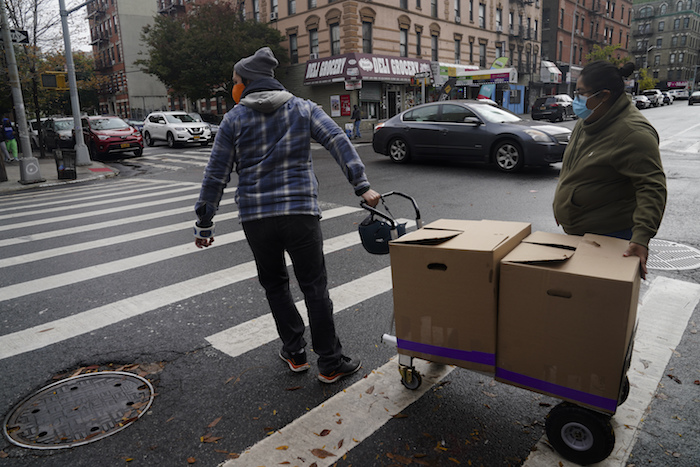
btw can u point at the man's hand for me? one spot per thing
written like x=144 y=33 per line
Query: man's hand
x=634 y=249
x=371 y=197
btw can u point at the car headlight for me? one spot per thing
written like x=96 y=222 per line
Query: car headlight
x=102 y=137
x=179 y=128
x=539 y=136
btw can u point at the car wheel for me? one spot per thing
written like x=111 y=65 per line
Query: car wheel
x=171 y=140
x=205 y=143
x=399 y=151
x=148 y=139
x=508 y=156
x=92 y=149
x=138 y=152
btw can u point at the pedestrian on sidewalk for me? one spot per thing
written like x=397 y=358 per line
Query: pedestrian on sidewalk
x=10 y=140
x=612 y=181
x=266 y=139
x=3 y=146
x=357 y=119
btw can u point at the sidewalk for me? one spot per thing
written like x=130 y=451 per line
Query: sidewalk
x=48 y=171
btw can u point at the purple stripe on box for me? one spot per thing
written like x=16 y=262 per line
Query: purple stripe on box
x=445 y=352
x=609 y=405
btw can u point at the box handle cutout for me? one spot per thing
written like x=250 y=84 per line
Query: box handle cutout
x=437 y=267
x=559 y=293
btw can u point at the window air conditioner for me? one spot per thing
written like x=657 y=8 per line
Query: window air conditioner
x=273 y=16
x=499 y=28
x=313 y=56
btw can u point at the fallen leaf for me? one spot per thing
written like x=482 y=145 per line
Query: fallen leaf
x=191 y=460
x=221 y=451
x=129 y=459
x=454 y=460
x=3 y=455
x=674 y=378
x=490 y=394
x=324 y=433
x=340 y=444
x=369 y=390
x=293 y=388
x=697 y=381
x=339 y=421
x=209 y=438
x=233 y=455
x=282 y=448
x=400 y=415
x=545 y=404
x=213 y=424
x=322 y=453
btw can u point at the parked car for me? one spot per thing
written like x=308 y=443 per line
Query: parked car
x=211 y=119
x=58 y=133
x=138 y=124
x=176 y=128
x=668 y=98
x=642 y=102
x=694 y=98
x=34 y=132
x=107 y=134
x=654 y=96
x=553 y=108
x=679 y=94
x=471 y=131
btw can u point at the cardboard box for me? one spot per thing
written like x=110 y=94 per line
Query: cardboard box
x=445 y=279
x=566 y=318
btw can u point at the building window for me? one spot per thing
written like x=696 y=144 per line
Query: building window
x=527 y=62
x=458 y=11
x=677 y=23
x=482 y=15
x=293 y=50
x=499 y=49
x=312 y=4
x=686 y=23
x=684 y=40
x=482 y=56
x=335 y=39
x=674 y=41
x=434 y=48
x=403 y=42
x=680 y=57
x=510 y=22
x=561 y=50
x=292 y=7
x=499 y=19
x=366 y=37
x=657 y=60
x=275 y=9
x=471 y=52
x=679 y=6
x=256 y=10
x=537 y=27
x=313 y=41
x=433 y=8
x=458 y=50
x=672 y=58
x=663 y=9
x=419 y=52
x=403 y=4
x=661 y=26
x=561 y=19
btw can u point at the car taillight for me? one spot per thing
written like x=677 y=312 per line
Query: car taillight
x=555 y=105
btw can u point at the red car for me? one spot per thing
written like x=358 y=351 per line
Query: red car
x=106 y=134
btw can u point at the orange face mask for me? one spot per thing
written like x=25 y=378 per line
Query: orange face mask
x=237 y=91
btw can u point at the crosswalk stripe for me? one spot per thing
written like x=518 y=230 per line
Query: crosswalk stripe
x=52 y=332
x=178 y=160
x=75 y=190
x=247 y=336
x=67 y=278
x=174 y=168
x=351 y=416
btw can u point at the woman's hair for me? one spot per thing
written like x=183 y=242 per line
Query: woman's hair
x=601 y=75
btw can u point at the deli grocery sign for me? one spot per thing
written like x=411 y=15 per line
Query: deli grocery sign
x=356 y=67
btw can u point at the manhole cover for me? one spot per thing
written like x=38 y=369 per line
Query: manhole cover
x=672 y=256
x=79 y=410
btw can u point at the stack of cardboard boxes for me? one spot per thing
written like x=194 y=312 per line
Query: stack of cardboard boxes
x=548 y=312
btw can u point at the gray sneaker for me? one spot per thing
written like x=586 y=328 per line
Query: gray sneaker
x=297 y=362
x=347 y=367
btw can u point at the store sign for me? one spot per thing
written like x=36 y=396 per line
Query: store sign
x=357 y=67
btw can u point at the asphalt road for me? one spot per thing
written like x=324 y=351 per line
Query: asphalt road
x=106 y=273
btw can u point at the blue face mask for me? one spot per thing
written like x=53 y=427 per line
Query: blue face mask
x=580 y=108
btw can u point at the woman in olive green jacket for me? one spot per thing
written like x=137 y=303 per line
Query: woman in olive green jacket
x=612 y=181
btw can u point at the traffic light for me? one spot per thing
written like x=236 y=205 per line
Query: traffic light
x=55 y=80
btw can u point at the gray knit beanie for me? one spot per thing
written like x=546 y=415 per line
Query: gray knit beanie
x=262 y=64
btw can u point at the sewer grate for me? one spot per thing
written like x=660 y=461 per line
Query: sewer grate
x=79 y=410
x=672 y=256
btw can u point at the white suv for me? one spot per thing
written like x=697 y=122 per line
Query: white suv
x=176 y=128
x=655 y=96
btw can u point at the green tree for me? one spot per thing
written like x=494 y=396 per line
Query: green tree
x=194 y=55
x=607 y=53
x=645 y=81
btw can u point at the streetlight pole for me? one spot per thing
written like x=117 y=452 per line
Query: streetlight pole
x=82 y=156
x=571 y=50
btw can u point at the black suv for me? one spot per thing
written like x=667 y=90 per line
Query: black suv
x=553 y=108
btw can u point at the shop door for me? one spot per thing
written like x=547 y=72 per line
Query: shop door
x=393 y=103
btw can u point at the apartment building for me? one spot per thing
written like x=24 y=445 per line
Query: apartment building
x=666 y=41
x=115 y=30
x=570 y=29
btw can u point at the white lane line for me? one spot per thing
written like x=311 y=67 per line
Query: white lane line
x=662 y=319
x=247 y=336
x=362 y=409
x=25 y=197
x=90 y=204
x=104 y=242
x=123 y=191
x=107 y=224
x=157 y=166
x=673 y=138
x=67 y=278
x=88 y=321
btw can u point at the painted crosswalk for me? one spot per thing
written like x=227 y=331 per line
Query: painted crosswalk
x=60 y=227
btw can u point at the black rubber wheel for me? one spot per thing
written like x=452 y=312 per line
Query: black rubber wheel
x=414 y=382
x=138 y=152
x=92 y=149
x=624 y=391
x=399 y=151
x=579 y=434
x=147 y=138
x=205 y=143
x=508 y=156
x=171 y=140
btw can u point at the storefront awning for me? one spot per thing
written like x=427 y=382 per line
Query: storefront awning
x=356 y=67
x=549 y=73
x=444 y=71
x=468 y=75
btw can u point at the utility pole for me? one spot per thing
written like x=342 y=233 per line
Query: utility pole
x=82 y=156
x=33 y=175
x=571 y=50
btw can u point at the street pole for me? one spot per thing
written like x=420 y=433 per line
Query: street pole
x=571 y=50
x=17 y=98
x=82 y=156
